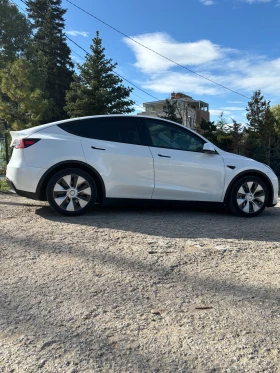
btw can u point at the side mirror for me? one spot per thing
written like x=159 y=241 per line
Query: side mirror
x=209 y=148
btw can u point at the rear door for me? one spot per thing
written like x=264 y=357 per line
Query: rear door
x=113 y=147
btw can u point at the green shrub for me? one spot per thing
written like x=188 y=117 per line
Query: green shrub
x=4 y=186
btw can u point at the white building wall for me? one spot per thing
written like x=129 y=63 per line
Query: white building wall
x=186 y=112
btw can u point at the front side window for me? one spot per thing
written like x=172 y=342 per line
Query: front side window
x=116 y=129
x=165 y=135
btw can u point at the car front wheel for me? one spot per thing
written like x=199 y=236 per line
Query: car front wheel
x=248 y=197
x=71 y=192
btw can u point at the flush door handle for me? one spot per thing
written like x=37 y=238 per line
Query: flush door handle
x=164 y=156
x=93 y=147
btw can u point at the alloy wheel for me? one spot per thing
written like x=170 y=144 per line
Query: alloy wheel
x=72 y=192
x=250 y=197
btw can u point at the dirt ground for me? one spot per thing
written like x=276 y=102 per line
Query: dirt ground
x=138 y=290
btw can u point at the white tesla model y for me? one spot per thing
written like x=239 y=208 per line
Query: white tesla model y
x=79 y=162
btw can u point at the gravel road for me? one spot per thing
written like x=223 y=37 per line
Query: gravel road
x=138 y=290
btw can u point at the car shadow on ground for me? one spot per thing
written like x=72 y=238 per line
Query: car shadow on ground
x=19 y=204
x=177 y=222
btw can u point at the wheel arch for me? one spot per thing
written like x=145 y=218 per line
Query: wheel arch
x=42 y=185
x=256 y=173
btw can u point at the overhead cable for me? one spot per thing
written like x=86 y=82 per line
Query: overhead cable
x=152 y=50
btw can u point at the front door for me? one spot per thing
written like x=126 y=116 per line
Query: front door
x=182 y=170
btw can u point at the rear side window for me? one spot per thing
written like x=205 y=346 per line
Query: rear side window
x=116 y=129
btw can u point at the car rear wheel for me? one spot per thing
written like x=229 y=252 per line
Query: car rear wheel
x=248 y=197
x=71 y=192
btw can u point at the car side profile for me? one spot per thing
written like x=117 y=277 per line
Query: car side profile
x=76 y=163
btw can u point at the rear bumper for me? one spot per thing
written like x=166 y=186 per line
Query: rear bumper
x=21 y=193
x=23 y=179
x=10 y=184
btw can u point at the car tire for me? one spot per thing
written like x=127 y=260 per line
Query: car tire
x=71 y=192
x=248 y=197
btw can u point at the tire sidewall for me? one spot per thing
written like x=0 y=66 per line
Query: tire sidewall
x=59 y=175
x=233 y=196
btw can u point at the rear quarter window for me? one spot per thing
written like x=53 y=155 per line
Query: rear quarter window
x=116 y=129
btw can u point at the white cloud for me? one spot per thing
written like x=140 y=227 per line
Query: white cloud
x=235 y=102
x=237 y=70
x=256 y=1
x=85 y=34
x=207 y=2
x=162 y=83
x=192 y=54
x=233 y=108
x=263 y=74
x=261 y=2
x=218 y=112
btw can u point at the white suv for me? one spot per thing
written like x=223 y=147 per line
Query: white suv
x=79 y=162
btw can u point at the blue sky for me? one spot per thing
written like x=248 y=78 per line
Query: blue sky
x=233 y=42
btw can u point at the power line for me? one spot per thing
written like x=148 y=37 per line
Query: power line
x=135 y=103
x=132 y=93
x=38 y=41
x=159 y=54
x=72 y=50
x=11 y=1
x=114 y=71
x=123 y=78
x=141 y=98
x=141 y=107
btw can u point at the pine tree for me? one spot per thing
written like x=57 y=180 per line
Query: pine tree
x=53 y=54
x=262 y=127
x=172 y=112
x=275 y=156
x=268 y=135
x=209 y=130
x=221 y=123
x=256 y=110
x=237 y=133
x=23 y=104
x=97 y=90
x=276 y=113
x=15 y=32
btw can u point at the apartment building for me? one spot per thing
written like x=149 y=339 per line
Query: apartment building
x=188 y=110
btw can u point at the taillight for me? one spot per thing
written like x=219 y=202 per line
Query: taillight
x=24 y=143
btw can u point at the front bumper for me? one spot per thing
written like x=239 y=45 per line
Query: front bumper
x=275 y=184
